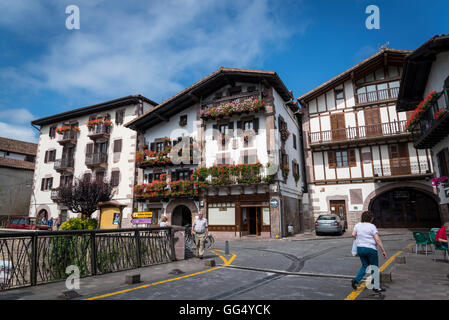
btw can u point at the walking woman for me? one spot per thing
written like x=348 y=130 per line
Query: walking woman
x=367 y=238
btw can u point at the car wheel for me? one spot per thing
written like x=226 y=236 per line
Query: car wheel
x=318 y=233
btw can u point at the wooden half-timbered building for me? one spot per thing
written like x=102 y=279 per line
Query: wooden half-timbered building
x=358 y=153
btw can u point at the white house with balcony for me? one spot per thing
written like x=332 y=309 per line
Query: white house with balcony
x=359 y=155
x=426 y=72
x=89 y=143
x=243 y=170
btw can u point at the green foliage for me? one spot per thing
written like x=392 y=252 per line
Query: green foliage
x=80 y=224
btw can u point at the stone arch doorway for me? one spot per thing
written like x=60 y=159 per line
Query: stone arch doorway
x=405 y=208
x=181 y=216
x=42 y=215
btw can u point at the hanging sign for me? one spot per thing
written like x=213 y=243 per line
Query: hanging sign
x=142 y=215
x=142 y=221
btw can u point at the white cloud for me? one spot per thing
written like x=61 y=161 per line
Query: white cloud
x=18 y=132
x=20 y=116
x=151 y=49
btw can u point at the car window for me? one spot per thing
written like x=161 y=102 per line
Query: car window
x=327 y=217
x=18 y=221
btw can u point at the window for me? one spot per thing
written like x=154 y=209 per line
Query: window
x=119 y=116
x=294 y=141
x=99 y=176
x=63 y=216
x=183 y=120
x=223 y=128
x=341 y=158
x=443 y=164
x=52 y=132
x=157 y=176
x=66 y=181
x=181 y=175
x=338 y=159
x=50 y=156
x=118 y=145
x=339 y=94
x=115 y=178
x=159 y=146
x=87 y=177
x=46 y=184
x=139 y=109
x=248 y=125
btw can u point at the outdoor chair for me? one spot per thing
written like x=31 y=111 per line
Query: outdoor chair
x=421 y=240
x=432 y=237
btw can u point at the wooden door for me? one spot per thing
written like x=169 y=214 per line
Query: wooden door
x=399 y=159
x=338 y=127
x=373 y=125
x=338 y=207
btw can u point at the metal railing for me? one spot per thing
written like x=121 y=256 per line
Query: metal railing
x=64 y=163
x=360 y=132
x=427 y=119
x=31 y=258
x=96 y=158
x=68 y=135
x=379 y=95
x=100 y=129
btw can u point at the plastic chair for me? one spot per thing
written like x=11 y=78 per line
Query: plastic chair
x=432 y=237
x=421 y=240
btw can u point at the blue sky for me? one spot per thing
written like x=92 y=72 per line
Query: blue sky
x=157 y=48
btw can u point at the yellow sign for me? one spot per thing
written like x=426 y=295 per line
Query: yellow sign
x=136 y=215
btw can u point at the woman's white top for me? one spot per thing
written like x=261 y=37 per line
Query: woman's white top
x=163 y=224
x=365 y=235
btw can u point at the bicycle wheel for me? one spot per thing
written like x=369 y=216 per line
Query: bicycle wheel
x=209 y=241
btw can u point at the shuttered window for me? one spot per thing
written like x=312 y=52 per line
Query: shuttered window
x=338 y=159
x=89 y=148
x=118 y=145
x=52 y=132
x=331 y=159
x=443 y=162
x=115 y=177
x=351 y=157
x=119 y=115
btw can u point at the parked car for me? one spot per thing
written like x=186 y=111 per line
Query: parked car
x=26 y=223
x=329 y=223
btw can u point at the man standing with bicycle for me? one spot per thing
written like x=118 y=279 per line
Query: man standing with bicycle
x=200 y=230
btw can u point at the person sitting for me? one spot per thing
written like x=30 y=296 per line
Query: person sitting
x=441 y=238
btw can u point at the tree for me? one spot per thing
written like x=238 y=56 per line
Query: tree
x=83 y=196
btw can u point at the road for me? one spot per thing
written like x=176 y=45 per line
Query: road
x=271 y=270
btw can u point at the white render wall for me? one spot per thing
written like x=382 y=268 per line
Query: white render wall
x=291 y=188
x=124 y=161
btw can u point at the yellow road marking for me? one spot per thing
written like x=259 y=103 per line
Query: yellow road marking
x=227 y=262
x=354 y=294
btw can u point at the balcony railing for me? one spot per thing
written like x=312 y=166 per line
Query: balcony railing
x=163 y=189
x=431 y=127
x=68 y=137
x=360 y=132
x=379 y=95
x=99 y=131
x=401 y=169
x=254 y=104
x=96 y=159
x=64 y=164
x=54 y=194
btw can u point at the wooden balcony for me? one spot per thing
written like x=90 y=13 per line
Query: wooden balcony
x=402 y=172
x=68 y=138
x=229 y=99
x=430 y=129
x=369 y=98
x=359 y=135
x=64 y=165
x=100 y=133
x=97 y=160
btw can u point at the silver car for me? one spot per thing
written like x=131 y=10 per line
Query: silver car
x=329 y=223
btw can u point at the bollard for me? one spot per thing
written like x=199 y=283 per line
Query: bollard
x=227 y=247
x=400 y=260
x=132 y=278
x=385 y=277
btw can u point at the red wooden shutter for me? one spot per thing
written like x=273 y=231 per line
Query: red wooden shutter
x=331 y=159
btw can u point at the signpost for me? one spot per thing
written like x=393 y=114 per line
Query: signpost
x=142 y=221
x=274 y=202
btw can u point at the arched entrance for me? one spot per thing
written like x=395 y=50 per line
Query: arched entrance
x=405 y=208
x=181 y=216
x=42 y=215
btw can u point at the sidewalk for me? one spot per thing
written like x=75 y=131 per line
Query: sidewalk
x=420 y=278
x=92 y=286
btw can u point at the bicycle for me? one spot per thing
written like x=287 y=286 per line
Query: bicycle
x=190 y=239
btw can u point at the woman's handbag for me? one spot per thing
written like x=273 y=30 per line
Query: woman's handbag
x=354 y=248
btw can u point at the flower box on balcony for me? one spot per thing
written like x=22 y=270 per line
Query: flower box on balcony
x=228 y=109
x=419 y=110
